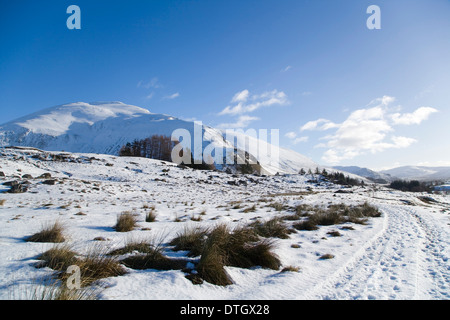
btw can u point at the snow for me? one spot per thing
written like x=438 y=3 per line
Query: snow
x=419 y=173
x=104 y=127
x=404 y=254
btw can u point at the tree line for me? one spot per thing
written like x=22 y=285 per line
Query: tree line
x=413 y=186
x=159 y=147
x=334 y=177
x=155 y=147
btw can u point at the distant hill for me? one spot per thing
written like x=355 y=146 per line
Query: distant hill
x=419 y=173
x=104 y=127
x=367 y=173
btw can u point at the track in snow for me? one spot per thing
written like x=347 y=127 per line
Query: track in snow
x=407 y=259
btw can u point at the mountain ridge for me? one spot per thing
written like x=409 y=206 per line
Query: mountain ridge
x=105 y=126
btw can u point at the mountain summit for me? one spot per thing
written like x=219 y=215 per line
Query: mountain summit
x=104 y=127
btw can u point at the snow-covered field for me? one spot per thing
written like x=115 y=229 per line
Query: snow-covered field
x=404 y=254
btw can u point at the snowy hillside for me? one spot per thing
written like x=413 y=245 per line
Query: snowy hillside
x=365 y=172
x=419 y=173
x=104 y=127
x=401 y=252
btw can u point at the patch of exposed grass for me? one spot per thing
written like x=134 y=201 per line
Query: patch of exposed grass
x=126 y=221
x=336 y=214
x=326 y=256
x=150 y=256
x=142 y=246
x=49 y=233
x=58 y=258
x=334 y=233
x=95 y=265
x=150 y=215
x=52 y=289
x=153 y=259
x=278 y=206
x=306 y=225
x=271 y=228
x=190 y=239
x=196 y=218
x=290 y=269
x=240 y=247
x=211 y=265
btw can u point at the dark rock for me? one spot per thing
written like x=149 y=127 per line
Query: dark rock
x=49 y=182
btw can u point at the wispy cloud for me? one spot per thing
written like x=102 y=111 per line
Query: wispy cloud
x=242 y=122
x=319 y=124
x=153 y=83
x=286 y=69
x=172 y=96
x=368 y=130
x=246 y=103
x=241 y=96
x=295 y=139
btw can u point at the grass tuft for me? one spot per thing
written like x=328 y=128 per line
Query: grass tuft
x=190 y=239
x=271 y=228
x=240 y=247
x=49 y=233
x=126 y=221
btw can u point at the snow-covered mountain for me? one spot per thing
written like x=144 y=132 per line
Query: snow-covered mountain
x=104 y=127
x=367 y=173
x=419 y=173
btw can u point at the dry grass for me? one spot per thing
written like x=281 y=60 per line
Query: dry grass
x=190 y=239
x=142 y=246
x=2 y=202
x=58 y=258
x=150 y=256
x=95 y=265
x=153 y=260
x=212 y=261
x=150 y=216
x=49 y=233
x=326 y=256
x=51 y=289
x=240 y=247
x=126 y=221
x=290 y=269
x=271 y=228
x=335 y=214
x=98 y=265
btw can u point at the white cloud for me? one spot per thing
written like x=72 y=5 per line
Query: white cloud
x=241 y=96
x=172 y=96
x=242 y=122
x=368 y=130
x=383 y=101
x=295 y=140
x=286 y=69
x=247 y=104
x=416 y=117
x=153 y=83
x=320 y=124
x=291 y=135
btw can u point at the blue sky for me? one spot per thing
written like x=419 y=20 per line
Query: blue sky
x=338 y=92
